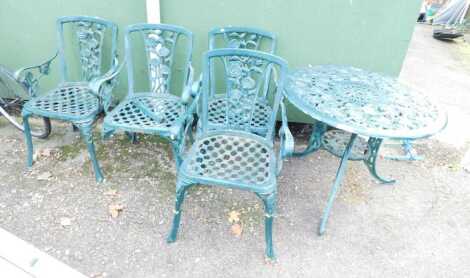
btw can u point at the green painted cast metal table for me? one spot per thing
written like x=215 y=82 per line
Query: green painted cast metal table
x=346 y=102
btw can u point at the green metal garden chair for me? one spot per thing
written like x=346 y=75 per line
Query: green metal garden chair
x=82 y=93
x=156 y=111
x=242 y=38
x=232 y=154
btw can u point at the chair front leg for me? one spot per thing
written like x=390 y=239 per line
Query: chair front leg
x=180 y=194
x=29 y=139
x=269 y=201
x=87 y=135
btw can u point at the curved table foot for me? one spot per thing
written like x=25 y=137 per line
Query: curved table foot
x=314 y=142
x=336 y=185
x=371 y=159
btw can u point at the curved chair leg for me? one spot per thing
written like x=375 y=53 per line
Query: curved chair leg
x=180 y=194
x=371 y=159
x=269 y=201
x=336 y=185
x=132 y=137
x=314 y=142
x=86 y=132
x=29 y=139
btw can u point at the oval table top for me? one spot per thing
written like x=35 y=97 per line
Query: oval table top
x=363 y=102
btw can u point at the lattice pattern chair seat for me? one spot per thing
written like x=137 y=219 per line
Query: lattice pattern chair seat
x=133 y=115
x=335 y=141
x=243 y=161
x=70 y=101
x=217 y=114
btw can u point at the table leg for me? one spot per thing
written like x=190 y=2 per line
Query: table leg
x=336 y=185
x=371 y=159
x=410 y=152
x=314 y=142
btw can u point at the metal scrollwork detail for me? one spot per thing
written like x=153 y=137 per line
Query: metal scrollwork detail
x=90 y=41
x=243 y=40
x=371 y=159
x=159 y=46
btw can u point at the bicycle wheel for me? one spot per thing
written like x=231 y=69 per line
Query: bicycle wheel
x=13 y=94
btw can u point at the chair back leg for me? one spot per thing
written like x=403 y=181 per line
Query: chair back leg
x=132 y=137
x=269 y=201
x=28 y=138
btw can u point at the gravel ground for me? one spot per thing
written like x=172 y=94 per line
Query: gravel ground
x=419 y=227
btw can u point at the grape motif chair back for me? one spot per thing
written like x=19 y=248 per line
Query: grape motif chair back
x=245 y=72
x=242 y=38
x=160 y=43
x=90 y=36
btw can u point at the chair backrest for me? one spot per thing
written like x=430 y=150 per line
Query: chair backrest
x=160 y=42
x=82 y=40
x=245 y=72
x=243 y=38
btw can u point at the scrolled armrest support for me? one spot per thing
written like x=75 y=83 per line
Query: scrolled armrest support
x=187 y=94
x=287 y=140
x=104 y=85
x=30 y=76
x=183 y=127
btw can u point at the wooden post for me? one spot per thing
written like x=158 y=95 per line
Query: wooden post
x=153 y=11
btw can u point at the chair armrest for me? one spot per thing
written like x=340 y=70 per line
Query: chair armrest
x=287 y=140
x=30 y=76
x=192 y=91
x=183 y=127
x=104 y=85
x=187 y=94
x=185 y=121
x=196 y=87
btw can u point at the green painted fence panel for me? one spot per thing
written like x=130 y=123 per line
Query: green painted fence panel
x=373 y=34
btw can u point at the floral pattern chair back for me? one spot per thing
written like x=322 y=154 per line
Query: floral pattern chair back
x=160 y=43
x=241 y=38
x=245 y=99
x=91 y=37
